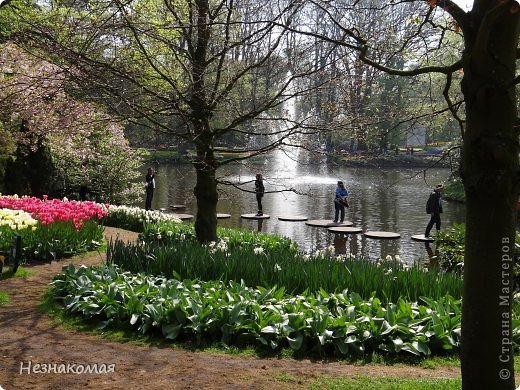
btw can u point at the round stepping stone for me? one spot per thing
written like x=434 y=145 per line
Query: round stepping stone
x=327 y=223
x=378 y=234
x=254 y=216
x=421 y=237
x=183 y=217
x=223 y=216
x=292 y=218
x=178 y=206
x=345 y=229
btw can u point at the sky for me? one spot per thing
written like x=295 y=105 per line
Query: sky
x=465 y=4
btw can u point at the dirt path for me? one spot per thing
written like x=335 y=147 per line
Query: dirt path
x=28 y=337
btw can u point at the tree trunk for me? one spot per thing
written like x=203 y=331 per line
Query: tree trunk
x=490 y=175
x=206 y=193
x=205 y=165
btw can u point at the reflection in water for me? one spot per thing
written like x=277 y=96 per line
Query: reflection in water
x=380 y=199
x=340 y=244
x=433 y=256
x=260 y=224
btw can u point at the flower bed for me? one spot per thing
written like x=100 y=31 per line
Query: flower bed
x=50 y=229
x=134 y=218
x=48 y=211
x=170 y=250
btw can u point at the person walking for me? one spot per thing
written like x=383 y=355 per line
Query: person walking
x=150 y=186
x=434 y=208
x=259 y=191
x=340 y=202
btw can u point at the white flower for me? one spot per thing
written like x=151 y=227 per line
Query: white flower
x=397 y=258
x=277 y=268
x=388 y=258
x=258 y=251
x=388 y=271
x=306 y=257
x=331 y=248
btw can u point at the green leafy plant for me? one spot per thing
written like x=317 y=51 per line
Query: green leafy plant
x=337 y=324
x=55 y=240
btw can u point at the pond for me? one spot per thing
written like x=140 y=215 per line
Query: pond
x=380 y=199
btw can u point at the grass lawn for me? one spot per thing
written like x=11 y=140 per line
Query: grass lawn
x=4 y=298
x=386 y=383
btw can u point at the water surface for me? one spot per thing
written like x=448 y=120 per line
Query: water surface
x=380 y=199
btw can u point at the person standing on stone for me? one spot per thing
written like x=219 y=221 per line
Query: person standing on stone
x=340 y=202
x=149 y=186
x=259 y=191
x=434 y=208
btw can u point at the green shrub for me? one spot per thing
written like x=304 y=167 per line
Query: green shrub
x=451 y=244
x=454 y=190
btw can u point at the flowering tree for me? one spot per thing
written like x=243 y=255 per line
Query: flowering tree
x=85 y=146
x=198 y=71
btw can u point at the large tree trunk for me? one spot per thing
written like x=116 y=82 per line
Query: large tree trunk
x=206 y=188
x=490 y=175
x=207 y=197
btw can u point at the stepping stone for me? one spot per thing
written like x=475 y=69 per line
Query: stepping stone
x=178 y=206
x=254 y=216
x=223 y=216
x=183 y=217
x=327 y=223
x=345 y=229
x=292 y=218
x=378 y=234
x=421 y=237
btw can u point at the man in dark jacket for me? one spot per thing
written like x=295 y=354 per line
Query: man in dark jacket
x=434 y=208
x=150 y=186
x=259 y=190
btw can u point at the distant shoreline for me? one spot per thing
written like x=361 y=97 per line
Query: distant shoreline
x=399 y=161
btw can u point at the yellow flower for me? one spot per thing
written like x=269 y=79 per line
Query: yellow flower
x=17 y=219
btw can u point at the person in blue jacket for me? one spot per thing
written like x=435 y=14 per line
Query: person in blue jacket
x=340 y=202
